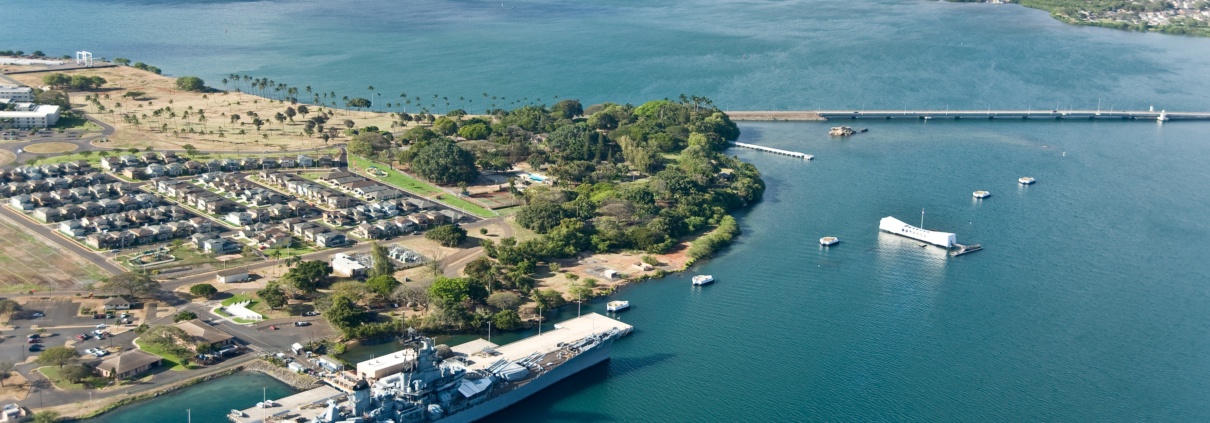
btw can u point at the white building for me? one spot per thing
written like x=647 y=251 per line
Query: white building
x=345 y=266
x=16 y=93
x=29 y=115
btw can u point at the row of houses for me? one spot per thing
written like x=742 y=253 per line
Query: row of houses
x=402 y=225
x=54 y=183
x=318 y=234
x=307 y=189
x=210 y=244
x=358 y=185
x=195 y=196
x=142 y=162
x=376 y=211
x=32 y=173
x=147 y=234
x=48 y=198
x=103 y=207
x=162 y=215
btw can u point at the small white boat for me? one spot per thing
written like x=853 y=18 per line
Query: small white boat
x=982 y=194
x=703 y=279
x=237 y=413
x=615 y=306
x=828 y=241
x=1025 y=180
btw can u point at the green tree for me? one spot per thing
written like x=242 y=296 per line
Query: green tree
x=382 y=285
x=447 y=235
x=358 y=103
x=6 y=368
x=507 y=320
x=308 y=276
x=74 y=373
x=382 y=264
x=132 y=284
x=204 y=290
x=504 y=300
x=477 y=131
x=57 y=356
x=8 y=306
x=549 y=298
x=190 y=83
x=445 y=163
x=190 y=150
x=272 y=295
x=344 y=313
x=567 y=109
x=183 y=316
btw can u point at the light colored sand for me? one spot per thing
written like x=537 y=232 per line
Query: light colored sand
x=159 y=91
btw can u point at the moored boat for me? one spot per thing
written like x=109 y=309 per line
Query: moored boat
x=982 y=194
x=703 y=279
x=1025 y=180
x=616 y=306
x=828 y=241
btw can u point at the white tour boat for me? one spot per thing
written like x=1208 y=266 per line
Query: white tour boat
x=828 y=241
x=703 y=279
x=1025 y=180
x=615 y=306
x=982 y=194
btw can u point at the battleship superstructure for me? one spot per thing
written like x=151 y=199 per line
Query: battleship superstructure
x=422 y=383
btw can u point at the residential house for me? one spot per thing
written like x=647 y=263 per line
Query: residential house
x=232 y=275
x=330 y=239
x=204 y=333
x=219 y=246
x=116 y=303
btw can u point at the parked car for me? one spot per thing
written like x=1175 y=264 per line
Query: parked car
x=302 y=323
x=101 y=326
x=35 y=347
x=34 y=336
x=311 y=313
x=37 y=314
x=82 y=337
x=34 y=340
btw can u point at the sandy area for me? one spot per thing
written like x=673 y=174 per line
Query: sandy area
x=159 y=91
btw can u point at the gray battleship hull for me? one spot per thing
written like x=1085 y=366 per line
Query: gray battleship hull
x=583 y=361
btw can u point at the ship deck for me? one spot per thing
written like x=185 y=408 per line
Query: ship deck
x=564 y=332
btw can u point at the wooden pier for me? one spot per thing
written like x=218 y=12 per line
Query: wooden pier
x=793 y=154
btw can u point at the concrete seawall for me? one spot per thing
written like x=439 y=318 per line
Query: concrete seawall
x=790 y=116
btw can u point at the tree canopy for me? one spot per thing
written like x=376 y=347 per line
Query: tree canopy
x=57 y=356
x=204 y=290
x=190 y=83
x=447 y=235
x=445 y=163
x=131 y=284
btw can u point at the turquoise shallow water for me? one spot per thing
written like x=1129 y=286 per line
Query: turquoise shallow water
x=1088 y=304
x=207 y=402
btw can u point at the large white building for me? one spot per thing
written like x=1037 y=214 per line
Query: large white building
x=29 y=115
x=344 y=265
x=16 y=93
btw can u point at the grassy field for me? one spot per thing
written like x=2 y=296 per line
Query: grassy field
x=171 y=361
x=77 y=123
x=26 y=262
x=53 y=373
x=53 y=147
x=239 y=298
x=419 y=187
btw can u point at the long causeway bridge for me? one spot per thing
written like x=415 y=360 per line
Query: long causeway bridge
x=821 y=115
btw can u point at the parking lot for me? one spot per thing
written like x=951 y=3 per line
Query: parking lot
x=60 y=325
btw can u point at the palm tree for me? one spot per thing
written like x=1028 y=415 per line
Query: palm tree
x=371 y=88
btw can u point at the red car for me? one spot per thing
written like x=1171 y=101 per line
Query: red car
x=34 y=340
x=81 y=337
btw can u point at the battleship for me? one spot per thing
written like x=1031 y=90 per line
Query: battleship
x=423 y=383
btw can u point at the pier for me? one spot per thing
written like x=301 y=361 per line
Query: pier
x=793 y=154
x=821 y=115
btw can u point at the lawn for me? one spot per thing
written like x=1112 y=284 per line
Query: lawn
x=238 y=298
x=52 y=373
x=220 y=312
x=250 y=153
x=171 y=361
x=415 y=186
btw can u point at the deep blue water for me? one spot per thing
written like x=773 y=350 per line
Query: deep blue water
x=1089 y=302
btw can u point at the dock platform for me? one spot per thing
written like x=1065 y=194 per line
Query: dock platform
x=307 y=404
x=793 y=154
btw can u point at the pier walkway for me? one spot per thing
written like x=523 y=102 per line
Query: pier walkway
x=820 y=115
x=794 y=154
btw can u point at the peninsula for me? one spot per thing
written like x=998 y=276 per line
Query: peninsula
x=1184 y=17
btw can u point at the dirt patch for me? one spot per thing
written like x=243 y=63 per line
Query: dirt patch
x=218 y=131
x=628 y=268
x=51 y=147
x=6 y=157
x=16 y=387
x=26 y=262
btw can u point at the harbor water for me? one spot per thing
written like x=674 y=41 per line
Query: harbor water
x=207 y=402
x=1088 y=302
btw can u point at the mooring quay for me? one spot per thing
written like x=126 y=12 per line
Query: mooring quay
x=819 y=115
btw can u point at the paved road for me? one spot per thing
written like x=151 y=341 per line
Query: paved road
x=48 y=235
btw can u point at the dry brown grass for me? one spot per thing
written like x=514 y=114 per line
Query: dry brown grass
x=51 y=147
x=26 y=262
x=160 y=91
x=6 y=157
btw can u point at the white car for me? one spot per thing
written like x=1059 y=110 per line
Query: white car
x=101 y=326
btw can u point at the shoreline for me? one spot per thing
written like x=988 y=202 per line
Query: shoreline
x=293 y=380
